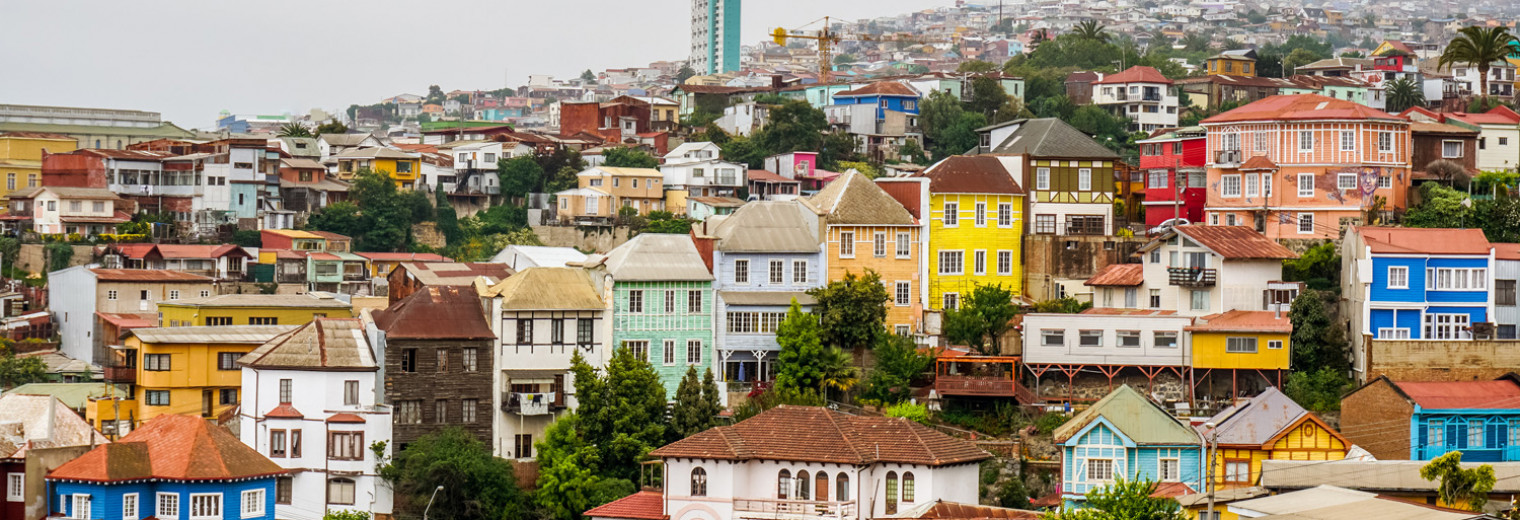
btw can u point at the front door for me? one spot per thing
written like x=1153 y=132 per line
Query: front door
x=206 y=397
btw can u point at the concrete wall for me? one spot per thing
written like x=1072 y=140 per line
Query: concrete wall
x=33 y=258
x=40 y=462
x=1051 y=258
x=1425 y=360
x=600 y=240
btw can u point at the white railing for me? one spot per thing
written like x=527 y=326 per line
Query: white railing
x=796 y=507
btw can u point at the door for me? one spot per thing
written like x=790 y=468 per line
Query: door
x=206 y=400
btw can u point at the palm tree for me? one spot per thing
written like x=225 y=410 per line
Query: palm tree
x=294 y=130
x=1404 y=93
x=1091 y=30
x=1478 y=47
x=837 y=373
x=1196 y=42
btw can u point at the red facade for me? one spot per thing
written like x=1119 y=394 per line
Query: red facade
x=1184 y=149
x=605 y=120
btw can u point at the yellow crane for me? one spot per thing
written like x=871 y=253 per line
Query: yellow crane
x=827 y=39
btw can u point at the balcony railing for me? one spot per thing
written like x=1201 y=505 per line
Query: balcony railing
x=1227 y=157
x=538 y=403
x=796 y=507
x=1191 y=276
x=963 y=385
x=126 y=375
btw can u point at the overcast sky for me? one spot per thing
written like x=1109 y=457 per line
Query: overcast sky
x=192 y=59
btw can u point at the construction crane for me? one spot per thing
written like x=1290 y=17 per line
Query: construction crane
x=827 y=39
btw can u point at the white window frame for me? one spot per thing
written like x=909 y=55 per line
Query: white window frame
x=1341 y=181
x=1252 y=185
x=213 y=499
x=847 y=244
x=776 y=272
x=1090 y=333
x=1305 y=137
x=979 y=262
x=741 y=271
x=1241 y=345
x=1005 y=215
x=1306 y=219
x=1229 y=186
x=950 y=301
x=1084 y=179
x=81 y=503
x=1266 y=185
x=1398 y=277
x=1305 y=185
x=131 y=506
x=1393 y=333
x=15 y=487
x=799 y=272
x=1094 y=474
x=1005 y=262
x=981 y=214
x=254 y=498
x=1348 y=141
x=902 y=294
x=1047 y=334
x=958 y=255
x=693 y=352
x=879 y=244
x=1274 y=344
x=1122 y=335
x=1172 y=474
x=1042 y=178
x=1170 y=334
x=1445 y=155
x=904 y=244
x=669 y=355
x=1385 y=142
x=167 y=506
x=951 y=216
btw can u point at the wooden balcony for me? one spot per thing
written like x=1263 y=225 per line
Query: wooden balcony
x=1191 y=276
x=803 y=508
x=121 y=375
x=975 y=386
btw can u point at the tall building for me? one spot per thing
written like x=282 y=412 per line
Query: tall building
x=715 y=36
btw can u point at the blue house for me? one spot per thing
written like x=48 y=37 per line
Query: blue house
x=173 y=467
x=884 y=95
x=1126 y=435
x=765 y=255
x=1425 y=420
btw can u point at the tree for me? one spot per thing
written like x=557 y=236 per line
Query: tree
x=569 y=477
x=987 y=96
x=851 y=310
x=622 y=411
x=1123 y=500
x=1317 y=341
x=947 y=126
x=59 y=254
x=976 y=67
x=982 y=319
x=793 y=126
x=1197 y=42
x=475 y=484
x=1465 y=488
x=1478 y=47
x=342 y=217
x=1067 y=305
x=334 y=127
x=587 y=75
x=1255 y=17
x=447 y=218
x=1298 y=58
x=294 y=130
x=345 y=514
x=1441 y=207
x=10 y=251
x=1319 y=389
x=625 y=157
x=519 y=176
x=898 y=363
x=1319 y=267
x=17 y=371
x=838 y=147
x=247 y=238
x=911 y=151
x=800 y=364
x=684 y=73
x=1404 y=93
x=434 y=95
x=667 y=222
x=696 y=408
x=1091 y=30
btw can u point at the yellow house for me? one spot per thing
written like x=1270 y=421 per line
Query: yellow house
x=251 y=309
x=868 y=229
x=403 y=167
x=976 y=223
x=21 y=157
x=1268 y=426
x=1232 y=63
x=181 y=370
x=1242 y=340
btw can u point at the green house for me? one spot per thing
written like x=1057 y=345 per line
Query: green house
x=662 y=301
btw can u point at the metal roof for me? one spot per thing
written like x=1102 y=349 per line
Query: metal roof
x=1231 y=242
x=1429 y=241
x=854 y=199
x=37 y=429
x=1257 y=420
x=971 y=174
x=768 y=227
x=1377 y=476
x=323 y=344
x=1051 y=137
x=766 y=298
x=546 y=288
x=146 y=275
x=228 y=334
x=1118 y=275
x=544 y=256
x=436 y=312
x=654 y=257
x=263 y=300
x=1303 y=500
x=1136 y=416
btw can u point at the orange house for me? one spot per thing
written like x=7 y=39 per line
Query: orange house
x=865 y=228
x=1305 y=165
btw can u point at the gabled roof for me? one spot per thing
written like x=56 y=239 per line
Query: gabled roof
x=197 y=251
x=817 y=434
x=1258 y=420
x=65 y=192
x=454 y=273
x=854 y=199
x=170 y=447
x=215 y=334
x=1136 y=416
x=146 y=275
x=643 y=505
x=404 y=257
x=1429 y=241
x=546 y=288
x=375 y=152
x=1488 y=395
x=30 y=413
x=767 y=227
x=880 y=88
x=344 y=139
x=1302 y=107
x=336 y=344
x=1118 y=275
x=656 y=257
x=308 y=300
x=1237 y=320
x=1051 y=137
x=1338 y=63
x=1235 y=242
x=539 y=255
x=1135 y=74
x=436 y=312
x=1258 y=162
x=971 y=174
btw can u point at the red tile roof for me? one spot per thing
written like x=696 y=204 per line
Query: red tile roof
x=1135 y=74
x=146 y=275
x=1301 y=107
x=1499 y=115
x=1172 y=490
x=1243 y=321
x=817 y=434
x=880 y=88
x=436 y=312
x=644 y=505
x=285 y=411
x=170 y=447
x=200 y=250
x=1503 y=393
x=1118 y=275
x=767 y=176
x=1236 y=242
x=136 y=251
x=1430 y=241
x=345 y=418
x=1259 y=162
x=971 y=174
x=125 y=321
x=1506 y=251
x=941 y=510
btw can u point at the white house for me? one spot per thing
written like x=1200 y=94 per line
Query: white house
x=1107 y=337
x=1501 y=79
x=1199 y=270
x=1140 y=93
x=60 y=210
x=743 y=119
x=522 y=257
x=803 y=462
x=695 y=151
x=707 y=178
x=311 y=404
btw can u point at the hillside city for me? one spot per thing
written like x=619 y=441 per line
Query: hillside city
x=1057 y=260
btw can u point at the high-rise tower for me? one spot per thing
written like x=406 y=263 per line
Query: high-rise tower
x=715 y=36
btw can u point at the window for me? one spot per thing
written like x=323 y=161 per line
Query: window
x=952 y=262
x=1392 y=333
x=440 y=413
x=173 y=295
x=110 y=295
x=158 y=397
x=668 y=351
x=891 y=498
x=842 y=486
x=799 y=277
x=1005 y=215
x=1436 y=432
x=1451 y=149
x=952 y=214
x=470 y=362
x=1385 y=142
x=584 y=333
x=1155 y=298
x=1237 y=470
x=1229 y=219
x=340 y=491
x=1504 y=292
x=206 y=505
x=1199 y=300
x=1266 y=185
x=902 y=293
x=15 y=486
x=1385 y=181
x=979 y=262
x=227 y=360
x=409 y=360
x=741 y=271
x=1052 y=337
x=253 y=503
x=783 y=484
x=693 y=352
x=1275 y=344
x=670 y=300
x=778 y=273
x=1089 y=338
x=1252 y=185
x=1447 y=326
x=284 y=487
x=1305 y=141
x=156 y=362
x=950 y=301
x=208 y=293
x=228 y=396
x=1045 y=224
x=1165 y=339
x=981 y=214
x=907 y=486
x=1005 y=262
x=636 y=302
x=904 y=243
x=1229 y=186
x=1240 y=345
x=1345 y=181
x=639 y=348
x=1042 y=178
x=81 y=507
x=1457 y=279
x=1305 y=185
x=879 y=245
x=1129 y=338
x=1348 y=141
x=350 y=393
x=218 y=320
x=698 y=482
x=1084 y=179
x=129 y=506
x=1156 y=179
x=295 y=443
x=694 y=298
x=409 y=411
x=1398 y=277
x=524 y=444
x=467 y=410
x=1305 y=223
x=1170 y=470
x=168 y=506
x=263 y=321
x=1100 y=470
x=847 y=244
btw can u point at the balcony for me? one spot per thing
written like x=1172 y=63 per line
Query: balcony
x=795 y=507
x=975 y=386
x=1191 y=276
x=1227 y=158
x=127 y=375
x=537 y=403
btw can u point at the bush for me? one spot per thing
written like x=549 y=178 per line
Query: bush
x=1049 y=422
x=916 y=412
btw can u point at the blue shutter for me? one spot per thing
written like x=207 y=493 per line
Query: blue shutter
x=1455 y=439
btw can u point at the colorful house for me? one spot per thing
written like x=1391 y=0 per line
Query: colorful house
x=1241 y=62
x=21 y=157
x=1173 y=166
x=402 y=167
x=1424 y=420
x=1126 y=435
x=1240 y=340
x=40 y=432
x=976 y=224
x=1268 y=426
x=867 y=229
x=603 y=191
x=1067 y=176
x=252 y=309
x=662 y=304
x=176 y=466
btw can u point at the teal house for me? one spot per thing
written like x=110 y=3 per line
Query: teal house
x=662 y=303
x=1127 y=436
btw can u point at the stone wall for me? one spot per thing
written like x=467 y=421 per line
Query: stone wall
x=1091 y=386
x=426 y=233
x=598 y=239
x=1426 y=360
x=1048 y=258
x=33 y=259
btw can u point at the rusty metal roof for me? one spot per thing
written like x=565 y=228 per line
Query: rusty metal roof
x=336 y=344
x=1136 y=417
x=971 y=174
x=146 y=275
x=436 y=312
x=657 y=257
x=1243 y=321
x=769 y=227
x=1302 y=107
x=1118 y=275
x=942 y=510
x=853 y=199
x=1488 y=395
x=1257 y=420
x=1429 y=241
x=1236 y=242
x=218 y=334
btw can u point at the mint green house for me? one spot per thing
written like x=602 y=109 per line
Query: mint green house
x=662 y=300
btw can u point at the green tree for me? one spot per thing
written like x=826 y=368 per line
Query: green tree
x=684 y=73
x=802 y=351
x=976 y=67
x=911 y=151
x=59 y=254
x=1091 y=30
x=587 y=75
x=622 y=411
x=987 y=96
x=1255 y=17
x=626 y=157
x=898 y=364
x=1319 y=267
x=447 y=218
x=341 y=217
x=774 y=397
x=1404 y=93
x=293 y=130
x=793 y=126
x=1299 y=58
x=852 y=311
x=743 y=150
x=345 y=514
x=1067 y=305
x=667 y=222
x=1197 y=42
x=1123 y=500
x=570 y=480
x=696 y=408
x=838 y=147
x=1478 y=47
x=1317 y=340
x=1440 y=207
x=10 y=251
x=1319 y=389
x=520 y=176
x=434 y=95
x=16 y=371
x=247 y=238
x=1464 y=488
x=333 y=127
x=982 y=319
x=938 y=114
x=475 y=483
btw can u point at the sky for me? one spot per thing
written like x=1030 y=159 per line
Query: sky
x=190 y=60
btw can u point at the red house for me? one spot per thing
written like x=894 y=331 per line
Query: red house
x=1161 y=158
x=623 y=120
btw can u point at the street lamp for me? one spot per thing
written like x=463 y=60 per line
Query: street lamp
x=440 y=488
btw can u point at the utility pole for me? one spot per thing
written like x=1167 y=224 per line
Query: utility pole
x=1212 y=442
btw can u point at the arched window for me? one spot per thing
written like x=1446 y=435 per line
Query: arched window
x=891 y=492
x=698 y=482
x=802 y=485
x=783 y=483
x=821 y=487
x=907 y=494
x=842 y=488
